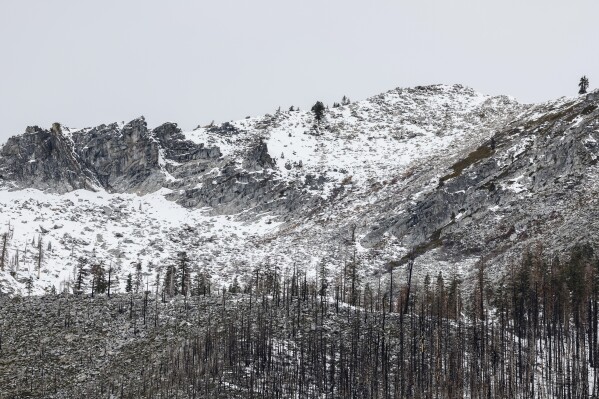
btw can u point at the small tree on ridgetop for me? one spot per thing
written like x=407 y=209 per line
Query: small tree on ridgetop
x=583 y=84
x=318 y=110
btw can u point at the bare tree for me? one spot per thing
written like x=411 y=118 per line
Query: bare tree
x=4 y=251
x=40 y=256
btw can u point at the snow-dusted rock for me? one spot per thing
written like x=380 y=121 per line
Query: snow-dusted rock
x=447 y=173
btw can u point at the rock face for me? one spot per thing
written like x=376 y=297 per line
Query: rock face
x=133 y=159
x=533 y=183
x=45 y=159
x=127 y=158
x=122 y=159
x=178 y=148
x=258 y=158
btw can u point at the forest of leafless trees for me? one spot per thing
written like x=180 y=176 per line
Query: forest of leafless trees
x=531 y=334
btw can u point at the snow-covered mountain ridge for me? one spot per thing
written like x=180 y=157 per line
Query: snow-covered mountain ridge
x=443 y=171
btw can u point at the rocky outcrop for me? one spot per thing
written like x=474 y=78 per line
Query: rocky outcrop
x=179 y=149
x=258 y=158
x=130 y=158
x=44 y=159
x=236 y=190
x=122 y=159
x=535 y=177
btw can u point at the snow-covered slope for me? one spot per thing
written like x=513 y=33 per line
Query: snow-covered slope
x=371 y=139
x=117 y=229
x=405 y=169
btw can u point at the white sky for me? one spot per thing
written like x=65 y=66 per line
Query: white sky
x=84 y=63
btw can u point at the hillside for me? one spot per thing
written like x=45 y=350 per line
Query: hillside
x=443 y=173
x=425 y=242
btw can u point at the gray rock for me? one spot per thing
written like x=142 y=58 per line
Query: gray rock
x=536 y=187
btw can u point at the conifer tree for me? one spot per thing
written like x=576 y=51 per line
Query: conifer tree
x=183 y=272
x=109 y=282
x=29 y=285
x=170 y=288
x=99 y=282
x=81 y=275
x=583 y=85
x=201 y=284
x=235 y=288
x=323 y=278
x=318 y=110
x=138 y=276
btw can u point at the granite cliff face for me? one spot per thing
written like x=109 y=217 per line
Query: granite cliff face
x=45 y=159
x=534 y=182
x=126 y=158
x=440 y=172
x=133 y=159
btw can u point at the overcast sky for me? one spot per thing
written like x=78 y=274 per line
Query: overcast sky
x=84 y=63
